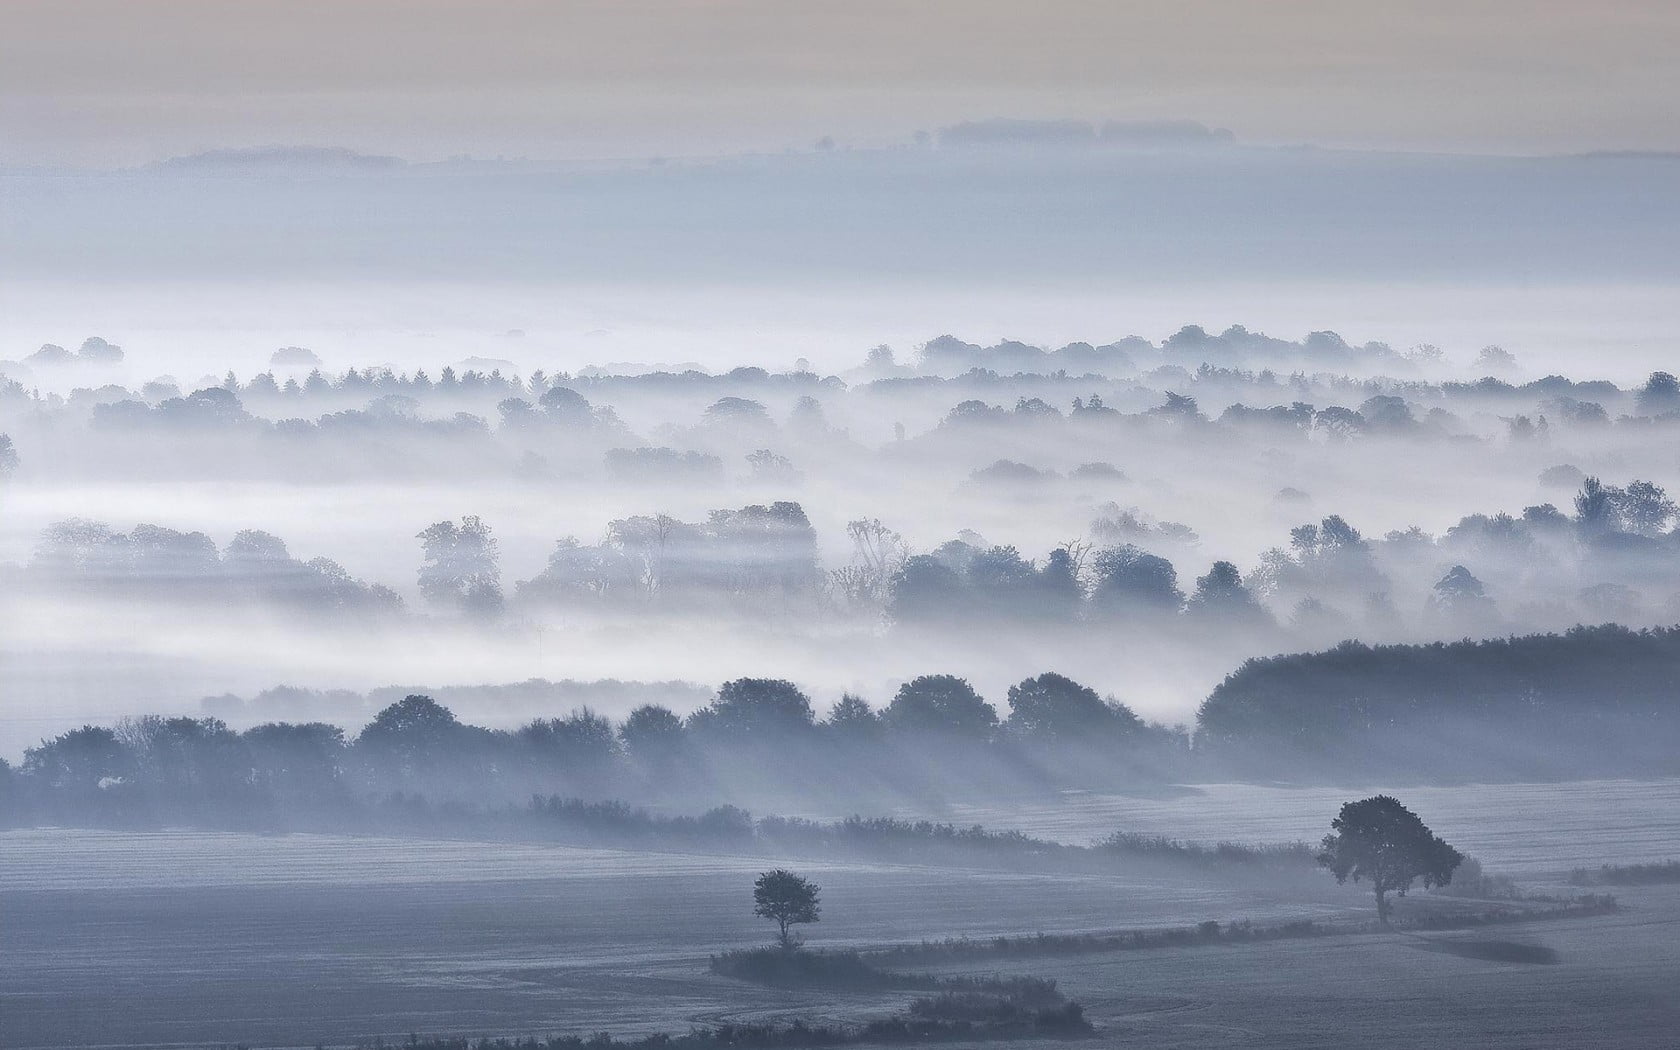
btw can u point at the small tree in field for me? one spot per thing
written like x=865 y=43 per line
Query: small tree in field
x=1379 y=839
x=785 y=897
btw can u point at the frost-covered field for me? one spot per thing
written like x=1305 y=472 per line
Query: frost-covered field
x=1522 y=829
x=187 y=937
x=1613 y=986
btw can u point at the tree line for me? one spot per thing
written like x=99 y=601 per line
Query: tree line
x=756 y=734
x=1609 y=560
x=1600 y=699
x=1491 y=710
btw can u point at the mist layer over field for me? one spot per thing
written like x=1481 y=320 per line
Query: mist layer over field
x=538 y=525
x=178 y=538
x=180 y=937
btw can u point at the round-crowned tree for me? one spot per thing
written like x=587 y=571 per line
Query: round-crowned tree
x=940 y=703
x=789 y=900
x=1053 y=707
x=755 y=709
x=1380 y=840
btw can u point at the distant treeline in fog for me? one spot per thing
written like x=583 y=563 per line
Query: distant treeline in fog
x=1610 y=558
x=937 y=738
x=1209 y=389
x=1593 y=701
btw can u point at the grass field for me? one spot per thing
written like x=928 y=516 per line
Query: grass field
x=1529 y=830
x=191 y=939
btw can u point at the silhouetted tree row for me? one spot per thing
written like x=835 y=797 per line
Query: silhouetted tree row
x=758 y=550
x=963 y=581
x=381 y=399
x=156 y=563
x=755 y=734
x=1593 y=699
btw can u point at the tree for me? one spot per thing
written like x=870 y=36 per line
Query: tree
x=852 y=718
x=1222 y=598
x=737 y=413
x=1131 y=580
x=924 y=590
x=411 y=737
x=581 y=745
x=1660 y=394
x=1053 y=707
x=652 y=733
x=788 y=899
x=940 y=703
x=1644 y=508
x=1461 y=600
x=296 y=762
x=756 y=709
x=1596 y=509
x=1001 y=583
x=1495 y=359
x=566 y=406
x=460 y=566
x=82 y=760
x=8 y=456
x=1059 y=590
x=1379 y=839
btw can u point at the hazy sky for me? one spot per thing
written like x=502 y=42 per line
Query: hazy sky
x=127 y=81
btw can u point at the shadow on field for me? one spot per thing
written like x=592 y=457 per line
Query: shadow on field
x=1493 y=951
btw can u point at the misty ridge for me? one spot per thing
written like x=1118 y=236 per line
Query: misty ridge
x=1493 y=710
x=1139 y=517
x=985 y=200
x=760 y=525
x=814 y=542
x=414 y=762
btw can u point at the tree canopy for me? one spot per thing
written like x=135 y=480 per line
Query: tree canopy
x=1381 y=841
x=787 y=899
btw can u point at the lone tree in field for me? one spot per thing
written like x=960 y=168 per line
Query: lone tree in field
x=1379 y=839
x=785 y=897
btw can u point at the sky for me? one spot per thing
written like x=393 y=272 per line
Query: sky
x=107 y=83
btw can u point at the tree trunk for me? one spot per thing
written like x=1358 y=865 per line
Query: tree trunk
x=1382 y=905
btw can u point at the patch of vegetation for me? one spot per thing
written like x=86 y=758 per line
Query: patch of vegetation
x=1024 y=1005
x=799 y=968
x=1470 y=880
x=1587 y=904
x=1285 y=854
x=793 y=1034
x=1627 y=874
x=960 y=949
x=1034 y=1008
x=964 y=1007
x=1053 y=944
x=924 y=841
x=1495 y=951
x=1607 y=689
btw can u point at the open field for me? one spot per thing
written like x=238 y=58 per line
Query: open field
x=190 y=938
x=1534 y=831
x=1612 y=985
x=184 y=937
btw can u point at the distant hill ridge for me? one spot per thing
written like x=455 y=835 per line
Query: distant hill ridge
x=281 y=158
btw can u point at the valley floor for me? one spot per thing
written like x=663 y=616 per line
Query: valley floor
x=184 y=938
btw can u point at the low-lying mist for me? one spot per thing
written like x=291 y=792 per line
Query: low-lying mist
x=1142 y=516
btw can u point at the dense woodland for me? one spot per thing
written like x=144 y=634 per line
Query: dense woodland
x=1592 y=701
x=1498 y=709
x=1609 y=557
x=1117 y=511
x=1028 y=443
x=757 y=737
